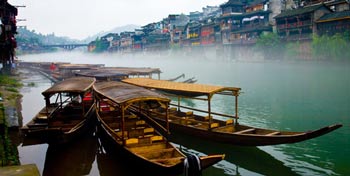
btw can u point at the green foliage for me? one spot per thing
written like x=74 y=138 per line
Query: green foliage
x=11 y=89
x=271 y=45
x=31 y=37
x=8 y=152
x=31 y=84
x=292 y=50
x=101 y=45
x=334 y=47
x=5 y=80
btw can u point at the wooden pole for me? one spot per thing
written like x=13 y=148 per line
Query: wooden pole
x=123 y=123
x=236 y=107
x=167 y=117
x=209 y=112
x=82 y=103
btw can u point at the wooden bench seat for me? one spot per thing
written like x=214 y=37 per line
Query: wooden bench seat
x=273 y=133
x=245 y=131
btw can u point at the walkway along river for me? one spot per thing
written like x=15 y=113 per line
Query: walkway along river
x=278 y=95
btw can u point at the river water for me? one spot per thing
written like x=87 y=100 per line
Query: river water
x=295 y=96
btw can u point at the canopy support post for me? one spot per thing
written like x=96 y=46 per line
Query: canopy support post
x=82 y=103
x=236 y=108
x=209 y=112
x=178 y=103
x=167 y=117
x=123 y=123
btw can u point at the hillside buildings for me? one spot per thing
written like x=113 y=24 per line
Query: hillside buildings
x=232 y=28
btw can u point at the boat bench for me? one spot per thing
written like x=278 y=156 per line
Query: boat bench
x=245 y=131
x=37 y=125
x=156 y=154
x=132 y=142
x=273 y=133
x=168 y=160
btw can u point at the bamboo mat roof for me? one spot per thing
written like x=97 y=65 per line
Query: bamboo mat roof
x=134 y=70
x=74 y=85
x=123 y=93
x=100 y=73
x=179 y=87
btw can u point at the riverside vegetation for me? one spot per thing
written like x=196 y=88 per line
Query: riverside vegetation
x=9 y=85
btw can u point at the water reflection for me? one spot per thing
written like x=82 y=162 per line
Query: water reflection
x=75 y=158
x=244 y=158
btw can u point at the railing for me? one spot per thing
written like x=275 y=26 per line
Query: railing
x=203 y=111
x=294 y=25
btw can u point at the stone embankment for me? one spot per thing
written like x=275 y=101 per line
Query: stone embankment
x=10 y=120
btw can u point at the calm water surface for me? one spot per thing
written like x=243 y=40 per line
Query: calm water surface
x=278 y=95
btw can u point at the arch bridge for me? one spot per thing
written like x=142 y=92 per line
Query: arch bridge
x=65 y=46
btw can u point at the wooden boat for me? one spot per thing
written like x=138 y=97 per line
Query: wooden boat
x=127 y=130
x=68 y=112
x=201 y=123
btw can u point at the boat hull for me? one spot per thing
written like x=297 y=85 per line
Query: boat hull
x=247 y=139
x=118 y=150
x=56 y=135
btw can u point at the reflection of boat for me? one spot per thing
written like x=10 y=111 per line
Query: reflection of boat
x=245 y=158
x=124 y=128
x=228 y=131
x=73 y=159
x=67 y=114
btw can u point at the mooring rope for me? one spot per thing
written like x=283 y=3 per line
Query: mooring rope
x=192 y=166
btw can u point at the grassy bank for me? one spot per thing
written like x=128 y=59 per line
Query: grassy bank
x=9 y=86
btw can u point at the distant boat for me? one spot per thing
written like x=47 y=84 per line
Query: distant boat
x=205 y=126
x=67 y=114
x=178 y=77
x=129 y=132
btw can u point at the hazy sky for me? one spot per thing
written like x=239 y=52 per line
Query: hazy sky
x=79 y=19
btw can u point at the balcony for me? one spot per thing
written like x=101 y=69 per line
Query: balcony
x=294 y=25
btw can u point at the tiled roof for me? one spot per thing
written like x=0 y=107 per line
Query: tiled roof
x=255 y=2
x=232 y=3
x=294 y=12
x=335 y=16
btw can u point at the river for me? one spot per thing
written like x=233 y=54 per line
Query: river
x=295 y=96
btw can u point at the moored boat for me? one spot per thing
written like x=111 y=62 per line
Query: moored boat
x=127 y=130
x=201 y=123
x=68 y=112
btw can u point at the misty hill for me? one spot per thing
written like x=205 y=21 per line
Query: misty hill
x=31 y=37
x=129 y=27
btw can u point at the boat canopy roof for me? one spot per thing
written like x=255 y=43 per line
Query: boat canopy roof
x=71 y=85
x=97 y=73
x=184 y=89
x=134 y=70
x=122 y=93
x=68 y=66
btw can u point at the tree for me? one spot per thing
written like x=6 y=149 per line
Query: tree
x=271 y=45
x=334 y=47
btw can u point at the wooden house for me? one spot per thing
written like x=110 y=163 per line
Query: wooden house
x=126 y=41
x=231 y=19
x=254 y=21
x=300 y=24
x=193 y=30
x=157 y=41
x=333 y=23
x=207 y=35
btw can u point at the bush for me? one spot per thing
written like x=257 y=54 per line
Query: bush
x=271 y=45
x=8 y=81
x=334 y=47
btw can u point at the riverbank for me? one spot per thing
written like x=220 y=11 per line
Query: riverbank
x=10 y=117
